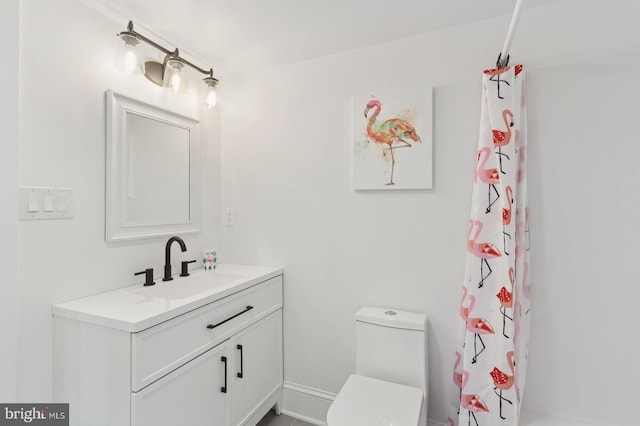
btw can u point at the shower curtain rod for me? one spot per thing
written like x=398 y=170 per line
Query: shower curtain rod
x=503 y=57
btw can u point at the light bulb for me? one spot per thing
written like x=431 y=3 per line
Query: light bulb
x=174 y=79
x=127 y=60
x=174 y=82
x=211 y=98
x=130 y=60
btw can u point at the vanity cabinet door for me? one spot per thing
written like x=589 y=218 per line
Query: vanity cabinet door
x=196 y=394
x=257 y=360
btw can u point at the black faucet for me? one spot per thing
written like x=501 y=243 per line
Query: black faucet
x=167 y=256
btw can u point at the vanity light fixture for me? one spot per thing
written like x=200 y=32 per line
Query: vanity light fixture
x=211 y=97
x=169 y=73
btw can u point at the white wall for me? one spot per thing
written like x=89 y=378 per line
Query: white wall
x=586 y=191
x=66 y=64
x=286 y=153
x=286 y=150
x=9 y=12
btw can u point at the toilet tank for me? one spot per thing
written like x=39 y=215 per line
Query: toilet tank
x=391 y=345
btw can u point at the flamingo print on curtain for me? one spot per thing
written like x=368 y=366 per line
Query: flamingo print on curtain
x=493 y=337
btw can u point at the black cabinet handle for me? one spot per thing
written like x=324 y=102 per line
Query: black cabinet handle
x=239 y=347
x=212 y=326
x=223 y=389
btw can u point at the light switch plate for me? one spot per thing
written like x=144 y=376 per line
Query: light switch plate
x=42 y=203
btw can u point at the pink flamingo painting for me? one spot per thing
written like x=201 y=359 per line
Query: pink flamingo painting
x=502 y=138
x=489 y=176
x=471 y=402
x=477 y=326
x=506 y=301
x=503 y=381
x=394 y=132
x=484 y=251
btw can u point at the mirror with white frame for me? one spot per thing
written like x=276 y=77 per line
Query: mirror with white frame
x=153 y=171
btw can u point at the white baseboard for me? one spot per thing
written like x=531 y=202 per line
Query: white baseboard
x=306 y=403
x=311 y=405
x=532 y=417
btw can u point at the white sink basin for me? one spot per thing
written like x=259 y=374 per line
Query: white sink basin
x=185 y=287
x=135 y=308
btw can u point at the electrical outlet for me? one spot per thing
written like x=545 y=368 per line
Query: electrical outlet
x=230 y=217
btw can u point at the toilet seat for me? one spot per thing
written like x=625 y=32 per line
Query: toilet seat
x=365 y=401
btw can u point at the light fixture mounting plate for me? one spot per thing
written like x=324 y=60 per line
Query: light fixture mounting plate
x=154 y=71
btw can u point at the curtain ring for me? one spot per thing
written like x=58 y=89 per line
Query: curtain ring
x=500 y=63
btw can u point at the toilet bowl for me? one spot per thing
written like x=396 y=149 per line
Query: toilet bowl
x=364 y=401
x=389 y=387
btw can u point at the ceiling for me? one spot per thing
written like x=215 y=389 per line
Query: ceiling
x=234 y=35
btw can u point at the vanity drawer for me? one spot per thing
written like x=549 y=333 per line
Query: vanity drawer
x=161 y=349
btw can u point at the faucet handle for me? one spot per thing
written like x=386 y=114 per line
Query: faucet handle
x=148 y=276
x=185 y=267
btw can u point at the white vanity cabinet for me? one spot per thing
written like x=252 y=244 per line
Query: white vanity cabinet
x=206 y=354
x=257 y=366
x=189 y=395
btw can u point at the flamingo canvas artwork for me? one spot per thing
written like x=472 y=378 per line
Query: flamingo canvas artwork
x=393 y=140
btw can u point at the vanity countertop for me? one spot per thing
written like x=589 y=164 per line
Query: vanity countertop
x=136 y=307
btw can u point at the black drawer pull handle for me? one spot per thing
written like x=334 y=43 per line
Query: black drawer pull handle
x=212 y=326
x=223 y=389
x=239 y=347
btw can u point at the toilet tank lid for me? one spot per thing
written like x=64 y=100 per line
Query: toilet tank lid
x=392 y=318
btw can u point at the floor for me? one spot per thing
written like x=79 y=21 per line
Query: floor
x=272 y=420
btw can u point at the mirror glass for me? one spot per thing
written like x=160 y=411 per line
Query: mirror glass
x=153 y=158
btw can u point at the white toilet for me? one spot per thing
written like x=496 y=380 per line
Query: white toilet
x=390 y=384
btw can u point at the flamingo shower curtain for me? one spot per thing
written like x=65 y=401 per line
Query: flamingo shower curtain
x=493 y=336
